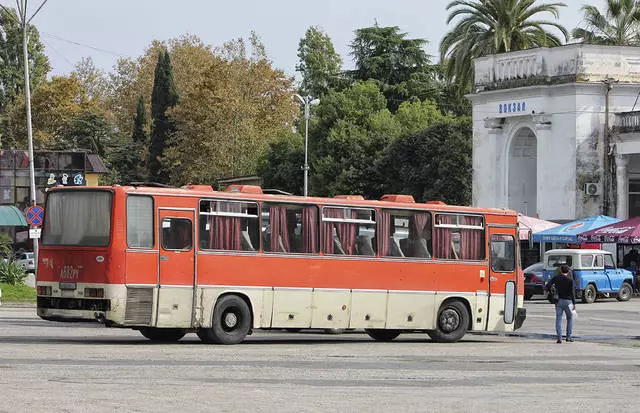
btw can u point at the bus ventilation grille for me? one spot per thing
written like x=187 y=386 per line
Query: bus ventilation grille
x=139 y=306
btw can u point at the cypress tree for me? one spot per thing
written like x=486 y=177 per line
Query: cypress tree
x=163 y=97
x=139 y=124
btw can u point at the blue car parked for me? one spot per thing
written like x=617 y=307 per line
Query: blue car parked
x=594 y=272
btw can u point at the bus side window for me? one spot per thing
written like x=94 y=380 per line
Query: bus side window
x=228 y=225
x=349 y=231
x=459 y=237
x=140 y=221
x=290 y=228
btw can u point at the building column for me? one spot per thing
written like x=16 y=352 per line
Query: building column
x=622 y=186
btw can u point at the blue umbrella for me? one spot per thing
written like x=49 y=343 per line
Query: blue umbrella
x=569 y=232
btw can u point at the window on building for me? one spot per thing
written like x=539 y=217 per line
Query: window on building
x=404 y=233
x=634 y=197
x=140 y=221
x=229 y=225
x=459 y=237
x=290 y=228
x=349 y=231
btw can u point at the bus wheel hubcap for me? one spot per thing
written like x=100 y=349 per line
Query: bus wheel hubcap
x=230 y=320
x=449 y=320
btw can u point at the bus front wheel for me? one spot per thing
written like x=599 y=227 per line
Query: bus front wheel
x=231 y=322
x=163 y=335
x=452 y=322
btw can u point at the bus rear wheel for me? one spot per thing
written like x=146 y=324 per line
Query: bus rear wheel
x=163 y=335
x=453 y=319
x=380 y=334
x=231 y=322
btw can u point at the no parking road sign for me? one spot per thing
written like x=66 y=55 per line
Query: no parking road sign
x=35 y=215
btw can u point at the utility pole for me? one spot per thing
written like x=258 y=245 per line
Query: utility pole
x=606 y=164
x=24 y=21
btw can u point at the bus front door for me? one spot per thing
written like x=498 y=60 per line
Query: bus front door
x=176 y=263
x=502 y=280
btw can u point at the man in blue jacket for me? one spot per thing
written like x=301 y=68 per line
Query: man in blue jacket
x=563 y=284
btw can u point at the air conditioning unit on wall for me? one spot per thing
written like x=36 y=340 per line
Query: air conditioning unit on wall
x=592 y=188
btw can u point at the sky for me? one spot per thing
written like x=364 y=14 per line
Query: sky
x=107 y=30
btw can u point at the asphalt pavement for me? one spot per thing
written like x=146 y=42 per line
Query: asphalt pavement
x=85 y=367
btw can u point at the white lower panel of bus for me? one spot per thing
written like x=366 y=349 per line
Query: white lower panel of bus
x=286 y=307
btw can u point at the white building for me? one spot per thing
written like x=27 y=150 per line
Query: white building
x=538 y=131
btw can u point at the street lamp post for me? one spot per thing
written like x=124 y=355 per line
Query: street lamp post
x=307 y=102
x=24 y=21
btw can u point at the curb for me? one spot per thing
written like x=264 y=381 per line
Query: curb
x=16 y=305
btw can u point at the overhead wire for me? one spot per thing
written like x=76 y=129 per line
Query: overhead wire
x=58 y=53
x=62 y=39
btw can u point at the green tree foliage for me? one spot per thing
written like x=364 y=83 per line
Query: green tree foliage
x=127 y=163
x=128 y=159
x=53 y=105
x=226 y=121
x=88 y=131
x=400 y=65
x=139 y=135
x=163 y=97
x=349 y=133
x=319 y=64
x=280 y=167
x=384 y=54
x=93 y=81
x=434 y=164
x=619 y=25
x=484 y=27
x=11 y=58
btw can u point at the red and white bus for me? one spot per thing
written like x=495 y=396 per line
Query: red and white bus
x=171 y=261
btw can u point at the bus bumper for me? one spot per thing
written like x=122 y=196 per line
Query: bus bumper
x=521 y=315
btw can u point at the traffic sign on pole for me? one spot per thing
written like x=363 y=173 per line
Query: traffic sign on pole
x=35 y=215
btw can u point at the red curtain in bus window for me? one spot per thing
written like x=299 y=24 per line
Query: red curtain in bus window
x=442 y=237
x=384 y=236
x=347 y=233
x=471 y=241
x=309 y=230
x=327 y=232
x=279 y=230
x=225 y=232
x=419 y=222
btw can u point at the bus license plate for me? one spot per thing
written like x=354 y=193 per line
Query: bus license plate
x=67 y=286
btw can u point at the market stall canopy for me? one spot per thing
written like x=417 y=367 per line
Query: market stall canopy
x=530 y=225
x=569 y=232
x=622 y=232
x=11 y=216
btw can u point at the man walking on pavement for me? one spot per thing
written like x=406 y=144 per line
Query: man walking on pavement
x=566 y=302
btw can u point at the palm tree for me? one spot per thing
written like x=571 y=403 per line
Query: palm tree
x=620 y=25
x=494 y=26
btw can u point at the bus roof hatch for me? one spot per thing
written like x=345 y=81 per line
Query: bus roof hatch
x=199 y=187
x=247 y=189
x=398 y=198
x=357 y=197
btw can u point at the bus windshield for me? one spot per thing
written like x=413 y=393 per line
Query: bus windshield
x=81 y=218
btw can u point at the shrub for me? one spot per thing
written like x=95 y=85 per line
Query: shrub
x=11 y=273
